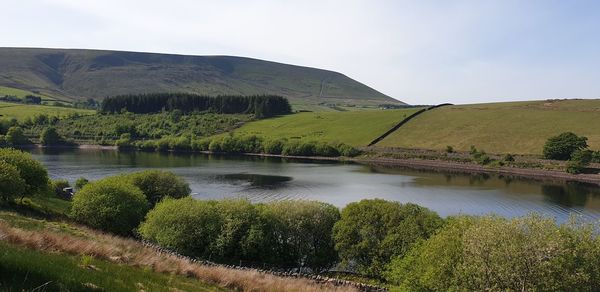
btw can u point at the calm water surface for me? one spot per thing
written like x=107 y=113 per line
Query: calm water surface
x=267 y=179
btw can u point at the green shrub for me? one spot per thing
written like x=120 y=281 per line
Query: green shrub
x=158 y=184
x=124 y=141
x=58 y=187
x=180 y=143
x=146 y=145
x=3 y=142
x=201 y=144
x=449 y=149
x=51 y=137
x=110 y=204
x=162 y=144
x=347 y=150
x=186 y=225
x=595 y=156
x=580 y=159
x=273 y=146
x=81 y=182
x=372 y=232
x=303 y=233
x=492 y=253
x=16 y=136
x=31 y=171
x=11 y=183
x=326 y=150
x=215 y=145
x=508 y=158
x=561 y=147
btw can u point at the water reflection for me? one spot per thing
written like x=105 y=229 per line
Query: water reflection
x=267 y=179
x=257 y=180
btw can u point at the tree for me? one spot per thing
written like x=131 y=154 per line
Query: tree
x=11 y=183
x=303 y=233
x=186 y=225
x=15 y=136
x=158 y=184
x=50 y=137
x=30 y=170
x=58 y=187
x=372 y=232
x=579 y=160
x=110 y=204
x=530 y=253
x=562 y=146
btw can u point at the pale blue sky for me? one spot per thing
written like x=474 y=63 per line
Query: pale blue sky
x=421 y=52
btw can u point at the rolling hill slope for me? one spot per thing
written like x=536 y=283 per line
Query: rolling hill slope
x=73 y=74
x=510 y=127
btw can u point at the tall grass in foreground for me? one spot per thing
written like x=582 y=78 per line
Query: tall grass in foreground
x=130 y=252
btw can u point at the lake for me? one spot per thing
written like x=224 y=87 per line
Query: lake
x=267 y=179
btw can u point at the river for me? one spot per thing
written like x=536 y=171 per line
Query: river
x=266 y=179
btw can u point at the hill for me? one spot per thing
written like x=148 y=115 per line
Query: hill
x=355 y=128
x=75 y=74
x=510 y=127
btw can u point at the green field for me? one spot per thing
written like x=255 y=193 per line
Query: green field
x=512 y=127
x=356 y=128
x=23 y=111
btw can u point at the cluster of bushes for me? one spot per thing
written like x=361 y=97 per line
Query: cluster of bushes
x=259 y=105
x=569 y=146
x=20 y=175
x=118 y=204
x=106 y=129
x=240 y=144
x=287 y=234
x=497 y=254
x=28 y=99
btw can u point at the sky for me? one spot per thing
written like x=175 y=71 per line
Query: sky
x=420 y=52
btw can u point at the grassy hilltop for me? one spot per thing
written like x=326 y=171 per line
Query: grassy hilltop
x=510 y=127
x=76 y=74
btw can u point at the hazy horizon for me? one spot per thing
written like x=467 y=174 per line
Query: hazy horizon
x=421 y=52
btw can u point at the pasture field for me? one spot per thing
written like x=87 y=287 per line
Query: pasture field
x=23 y=111
x=356 y=128
x=4 y=91
x=511 y=127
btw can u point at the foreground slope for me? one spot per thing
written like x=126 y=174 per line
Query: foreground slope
x=74 y=74
x=512 y=127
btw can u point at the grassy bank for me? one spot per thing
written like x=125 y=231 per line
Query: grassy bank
x=355 y=128
x=512 y=127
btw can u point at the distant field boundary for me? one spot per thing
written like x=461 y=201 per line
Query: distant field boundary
x=396 y=127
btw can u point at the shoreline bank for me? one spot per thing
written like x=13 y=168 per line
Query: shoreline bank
x=419 y=164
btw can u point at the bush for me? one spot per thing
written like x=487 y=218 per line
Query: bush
x=326 y=150
x=15 y=136
x=162 y=144
x=180 y=143
x=303 y=233
x=157 y=184
x=186 y=225
x=493 y=253
x=508 y=158
x=449 y=149
x=347 y=150
x=81 y=182
x=372 y=232
x=124 y=141
x=201 y=144
x=58 y=187
x=273 y=146
x=30 y=170
x=580 y=159
x=561 y=147
x=11 y=183
x=595 y=156
x=50 y=137
x=146 y=145
x=111 y=204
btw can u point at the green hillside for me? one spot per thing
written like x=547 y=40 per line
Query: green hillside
x=76 y=74
x=356 y=128
x=512 y=127
x=22 y=111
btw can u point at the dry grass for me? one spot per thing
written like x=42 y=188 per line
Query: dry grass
x=133 y=253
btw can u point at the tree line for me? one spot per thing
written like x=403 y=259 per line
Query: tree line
x=259 y=105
